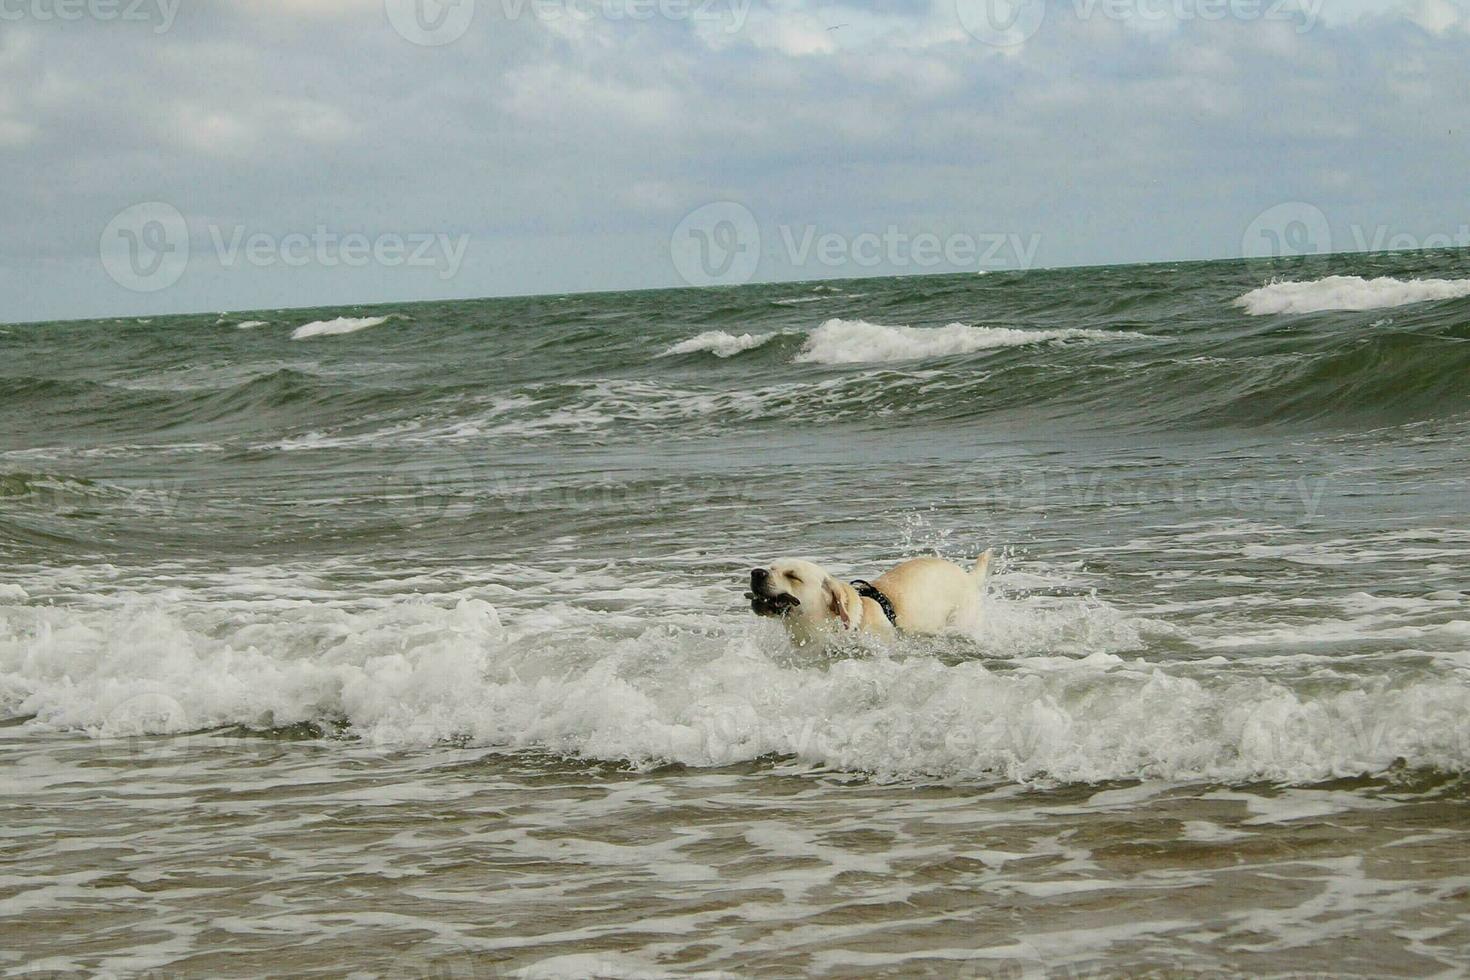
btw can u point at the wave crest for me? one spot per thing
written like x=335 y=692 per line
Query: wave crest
x=340 y=325
x=860 y=342
x=718 y=343
x=411 y=673
x=1348 y=293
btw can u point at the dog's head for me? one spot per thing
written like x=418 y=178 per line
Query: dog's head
x=800 y=589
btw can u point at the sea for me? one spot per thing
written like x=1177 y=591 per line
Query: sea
x=409 y=640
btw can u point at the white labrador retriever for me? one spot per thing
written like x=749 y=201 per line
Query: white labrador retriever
x=923 y=595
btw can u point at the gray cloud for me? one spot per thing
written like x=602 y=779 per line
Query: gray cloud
x=567 y=145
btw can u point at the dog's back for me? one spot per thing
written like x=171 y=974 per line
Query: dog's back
x=930 y=595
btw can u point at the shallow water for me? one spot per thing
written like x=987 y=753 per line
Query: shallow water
x=302 y=858
x=418 y=649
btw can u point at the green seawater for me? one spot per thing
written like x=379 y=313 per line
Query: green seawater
x=415 y=645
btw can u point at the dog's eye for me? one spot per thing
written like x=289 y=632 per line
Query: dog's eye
x=793 y=577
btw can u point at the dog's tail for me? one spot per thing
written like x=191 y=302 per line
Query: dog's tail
x=981 y=571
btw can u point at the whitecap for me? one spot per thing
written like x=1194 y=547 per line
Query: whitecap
x=341 y=325
x=841 y=341
x=684 y=685
x=718 y=343
x=1348 y=293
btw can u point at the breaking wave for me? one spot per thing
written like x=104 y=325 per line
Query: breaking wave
x=339 y=325
x=838 y=341
x=1063 y=703
x=860 y=342
x=718 y=343
x=1348 y=293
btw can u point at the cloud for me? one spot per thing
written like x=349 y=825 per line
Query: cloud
x=569 y=146
x=1438 y=16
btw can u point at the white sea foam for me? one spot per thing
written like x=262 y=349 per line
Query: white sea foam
x=860 y=342
x=341 y=325
x=1348 y=293
x=839 y=341
x=718 y=343
x=1064 y=701
x=251 y=324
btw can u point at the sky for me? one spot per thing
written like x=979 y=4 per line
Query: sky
x=194 y=155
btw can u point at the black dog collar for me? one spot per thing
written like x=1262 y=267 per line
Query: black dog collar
x=867 y=591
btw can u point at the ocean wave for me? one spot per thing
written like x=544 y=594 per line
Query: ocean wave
x=703 y=691
x=827 y=295
x=718 y=343
x=633 y=404
x=340 y=325
x=31 y=390
x=252 y=324
x=50 y=486
x=1385 y=375
x=840 y=341
x=1348 y=293
x=263 y=402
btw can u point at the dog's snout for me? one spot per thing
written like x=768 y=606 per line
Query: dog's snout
x=758 y=575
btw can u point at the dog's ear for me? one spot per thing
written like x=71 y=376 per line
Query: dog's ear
x=839 y=602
